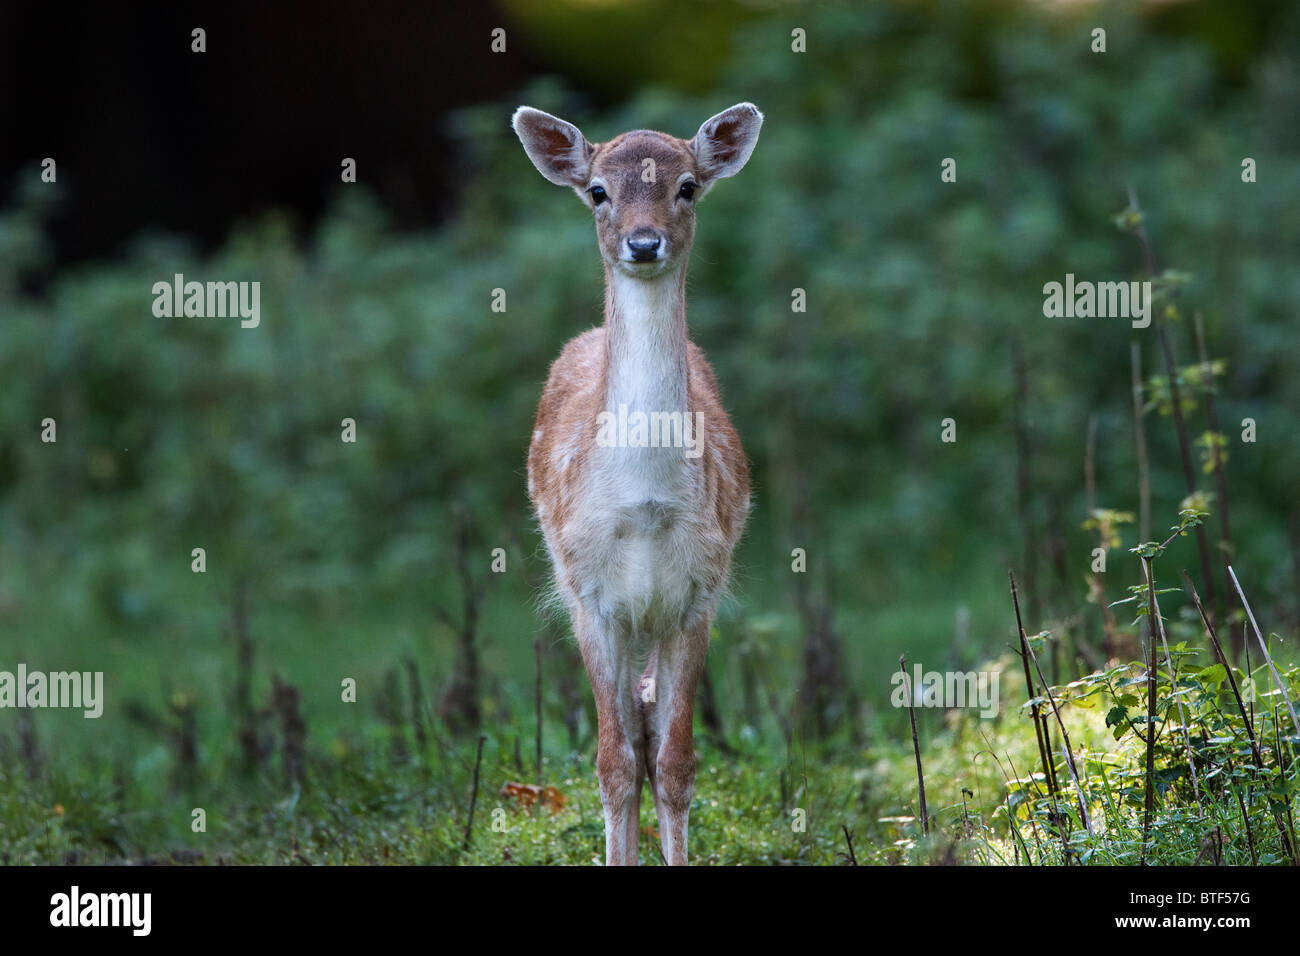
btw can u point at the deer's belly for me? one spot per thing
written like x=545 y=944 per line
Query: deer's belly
x=646 y=569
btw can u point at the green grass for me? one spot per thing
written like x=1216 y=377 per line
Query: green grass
x=109 y=790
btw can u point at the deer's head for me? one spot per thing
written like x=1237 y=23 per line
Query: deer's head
x=641 y=186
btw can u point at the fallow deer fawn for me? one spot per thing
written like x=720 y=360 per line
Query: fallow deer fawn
x=640 y=527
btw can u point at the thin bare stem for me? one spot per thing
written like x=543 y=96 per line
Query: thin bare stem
x=1220 y=480
x=1065 y=738
x=1250 y=730
x=1175 y=396
x=1024 y=452
x=1232 y=680
x=1140 y=435
x=473 y=800
x=1250 y=615
x=916 y=746
x=1159 y=628
x=1049 y=771
x=1149 y=802
x=848 y=838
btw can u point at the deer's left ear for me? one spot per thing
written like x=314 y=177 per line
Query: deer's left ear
x=724 y=142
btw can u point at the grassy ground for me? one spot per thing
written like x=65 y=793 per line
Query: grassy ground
x=377 y=786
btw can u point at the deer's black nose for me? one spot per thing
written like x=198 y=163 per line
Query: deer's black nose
x=644 y=245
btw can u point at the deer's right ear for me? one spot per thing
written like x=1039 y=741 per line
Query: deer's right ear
x=558 y=149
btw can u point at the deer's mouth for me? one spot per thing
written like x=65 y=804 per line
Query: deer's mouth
x=643 y=268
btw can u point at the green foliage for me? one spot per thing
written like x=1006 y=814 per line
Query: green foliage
x=1212 y=446
x=1106 y=522
x=1232 y=795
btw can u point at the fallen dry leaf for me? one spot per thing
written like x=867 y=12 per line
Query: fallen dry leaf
x=526 y=794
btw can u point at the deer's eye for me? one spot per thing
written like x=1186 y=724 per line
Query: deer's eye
x=687 y=191
x=598 y=195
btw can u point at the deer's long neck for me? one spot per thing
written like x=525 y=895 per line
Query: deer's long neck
x=645 y=358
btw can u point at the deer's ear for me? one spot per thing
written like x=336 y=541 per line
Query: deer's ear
x=724 y=142
x=558 y=149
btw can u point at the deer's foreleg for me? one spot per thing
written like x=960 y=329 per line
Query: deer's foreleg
x=670 y=743
x=620 y=750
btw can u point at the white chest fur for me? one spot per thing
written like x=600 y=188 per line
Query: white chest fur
x=639 y=533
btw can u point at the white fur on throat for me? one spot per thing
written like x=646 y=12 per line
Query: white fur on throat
x=637 y=525
x=647 y=373
x=648 y=344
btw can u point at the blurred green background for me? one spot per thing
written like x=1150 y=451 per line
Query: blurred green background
x=182 y=433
